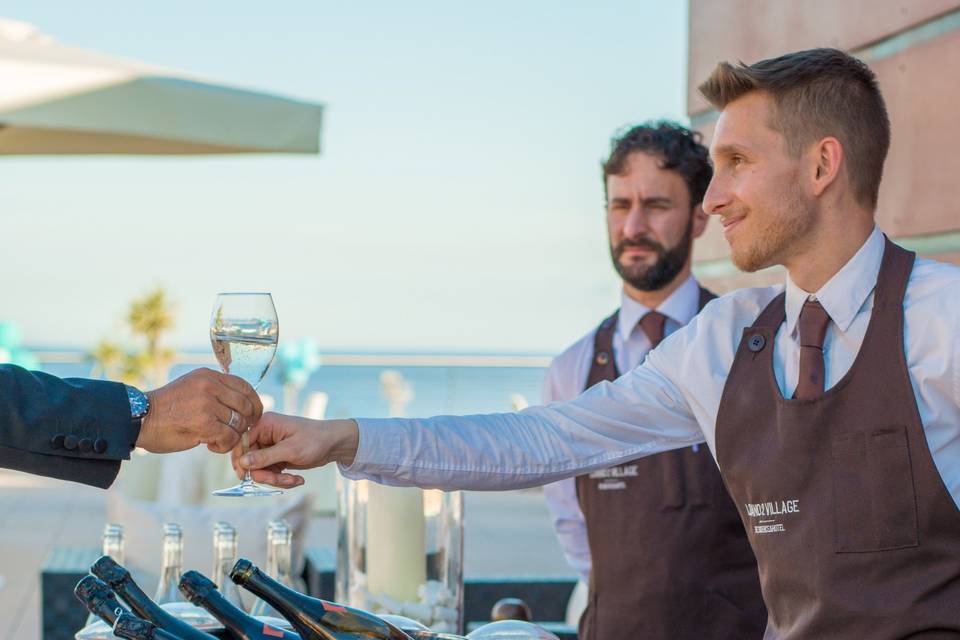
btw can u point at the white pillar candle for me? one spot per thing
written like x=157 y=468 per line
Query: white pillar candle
x=396 y=542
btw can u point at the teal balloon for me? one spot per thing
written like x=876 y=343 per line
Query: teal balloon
x=9 y=335
x=298 y=377
x=297 y=361
x=287 y=352
x=310 y=355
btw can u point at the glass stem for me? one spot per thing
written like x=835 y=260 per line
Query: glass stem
x=245 y=446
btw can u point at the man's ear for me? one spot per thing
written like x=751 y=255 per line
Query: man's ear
x=827 y=160
x=699 y=221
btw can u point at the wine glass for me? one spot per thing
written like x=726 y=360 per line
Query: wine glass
x=244 y=333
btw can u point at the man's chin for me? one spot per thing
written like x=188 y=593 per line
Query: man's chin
x=749 y=262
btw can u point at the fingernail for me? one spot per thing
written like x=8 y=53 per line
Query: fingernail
x=246 y=460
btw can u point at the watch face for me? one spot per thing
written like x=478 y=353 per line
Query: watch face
x=138 y=402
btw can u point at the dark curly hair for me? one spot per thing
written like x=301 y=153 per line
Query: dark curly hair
x=678 y=148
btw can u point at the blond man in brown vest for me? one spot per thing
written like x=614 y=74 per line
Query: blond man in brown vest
x=831 y=402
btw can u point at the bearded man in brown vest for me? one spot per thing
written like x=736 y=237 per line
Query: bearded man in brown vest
x=658 y=539
x=831 y=402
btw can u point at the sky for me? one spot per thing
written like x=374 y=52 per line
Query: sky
x=456 y=205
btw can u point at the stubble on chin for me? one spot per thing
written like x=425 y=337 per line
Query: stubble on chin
x=770 y=245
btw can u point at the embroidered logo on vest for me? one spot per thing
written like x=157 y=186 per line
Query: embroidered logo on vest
x=614 y=478
x=769 y=514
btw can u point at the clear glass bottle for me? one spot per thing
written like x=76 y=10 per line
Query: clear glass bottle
x=112 y=546
x=279 y=560
x=224 y=555
x=168 y=594
x=172 y=565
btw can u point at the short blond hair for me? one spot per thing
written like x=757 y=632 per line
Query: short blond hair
x=817 y=93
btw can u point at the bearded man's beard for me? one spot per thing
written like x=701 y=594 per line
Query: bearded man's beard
x=668 y=265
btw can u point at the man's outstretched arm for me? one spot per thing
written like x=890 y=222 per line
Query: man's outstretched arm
x=637 y=415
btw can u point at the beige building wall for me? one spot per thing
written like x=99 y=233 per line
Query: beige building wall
x=914 y=48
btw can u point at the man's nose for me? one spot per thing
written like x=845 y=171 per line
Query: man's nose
x=717 y=197
x=636 y=223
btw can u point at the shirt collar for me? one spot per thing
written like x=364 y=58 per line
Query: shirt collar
x=843 y=295
x=681 y=306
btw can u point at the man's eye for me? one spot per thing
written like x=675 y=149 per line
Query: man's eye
x=737 y=160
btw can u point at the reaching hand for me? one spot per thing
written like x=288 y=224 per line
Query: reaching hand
x=201 y=407
x=280 y=442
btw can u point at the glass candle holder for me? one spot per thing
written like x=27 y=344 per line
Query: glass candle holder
x=400 y=552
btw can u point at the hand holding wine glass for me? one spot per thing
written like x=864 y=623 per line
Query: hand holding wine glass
x=282 y=443
x=196 y=408
x=244 y=333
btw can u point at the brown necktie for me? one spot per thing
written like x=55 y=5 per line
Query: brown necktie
x=652 y=325
x=813 y=327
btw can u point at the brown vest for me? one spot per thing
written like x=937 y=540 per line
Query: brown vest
x=670 y=557
x=856 y=535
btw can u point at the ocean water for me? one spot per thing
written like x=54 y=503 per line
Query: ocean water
x=355 y=391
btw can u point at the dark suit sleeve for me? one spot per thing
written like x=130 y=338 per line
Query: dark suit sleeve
x=71 y=429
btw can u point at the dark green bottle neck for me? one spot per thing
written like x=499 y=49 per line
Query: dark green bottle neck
x=107 y=610
x=241 y=624
x=134 y=596
x=291 y=604
x=147 y=609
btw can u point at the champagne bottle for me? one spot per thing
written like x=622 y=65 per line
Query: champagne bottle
x=112 y=546
x=312 y=618
x=202 y=592
x=99 y=600
x=120 y=581
x=224 y=555
x=134 y=628
x=279 y=560
x=172 y=565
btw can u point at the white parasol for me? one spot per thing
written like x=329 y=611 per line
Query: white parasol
x=56 y=99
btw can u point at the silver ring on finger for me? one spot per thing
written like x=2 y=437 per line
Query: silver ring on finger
x=234 y=420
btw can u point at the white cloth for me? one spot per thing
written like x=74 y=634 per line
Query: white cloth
x=565 y=380
x=671 y=400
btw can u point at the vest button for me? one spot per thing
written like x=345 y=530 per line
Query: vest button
x=756 y=343
x=603 y=358
x=100 y=445
x=57 y=441
x=70 y=442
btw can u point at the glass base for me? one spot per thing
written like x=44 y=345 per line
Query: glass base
x=248 y=489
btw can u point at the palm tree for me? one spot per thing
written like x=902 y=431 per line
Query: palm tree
x=149 y=318
x=107 y=358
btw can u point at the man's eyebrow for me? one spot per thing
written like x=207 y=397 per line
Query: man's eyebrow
x=656 y=199
x=645 y=202
x=726 y=150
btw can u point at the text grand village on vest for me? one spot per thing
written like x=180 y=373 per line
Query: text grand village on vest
x=769 y=512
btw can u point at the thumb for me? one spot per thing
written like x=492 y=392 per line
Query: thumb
x=282 y=452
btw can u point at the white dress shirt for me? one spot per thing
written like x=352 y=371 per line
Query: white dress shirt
x=566 y=379
x=671 y=400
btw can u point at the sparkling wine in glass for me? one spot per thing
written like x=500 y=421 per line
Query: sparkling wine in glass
x=244 y=333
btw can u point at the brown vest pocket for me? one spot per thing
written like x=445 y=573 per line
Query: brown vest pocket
x=874 y=502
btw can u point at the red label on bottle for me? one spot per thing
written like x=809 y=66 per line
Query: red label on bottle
x=329 y=606
x=270 y=631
